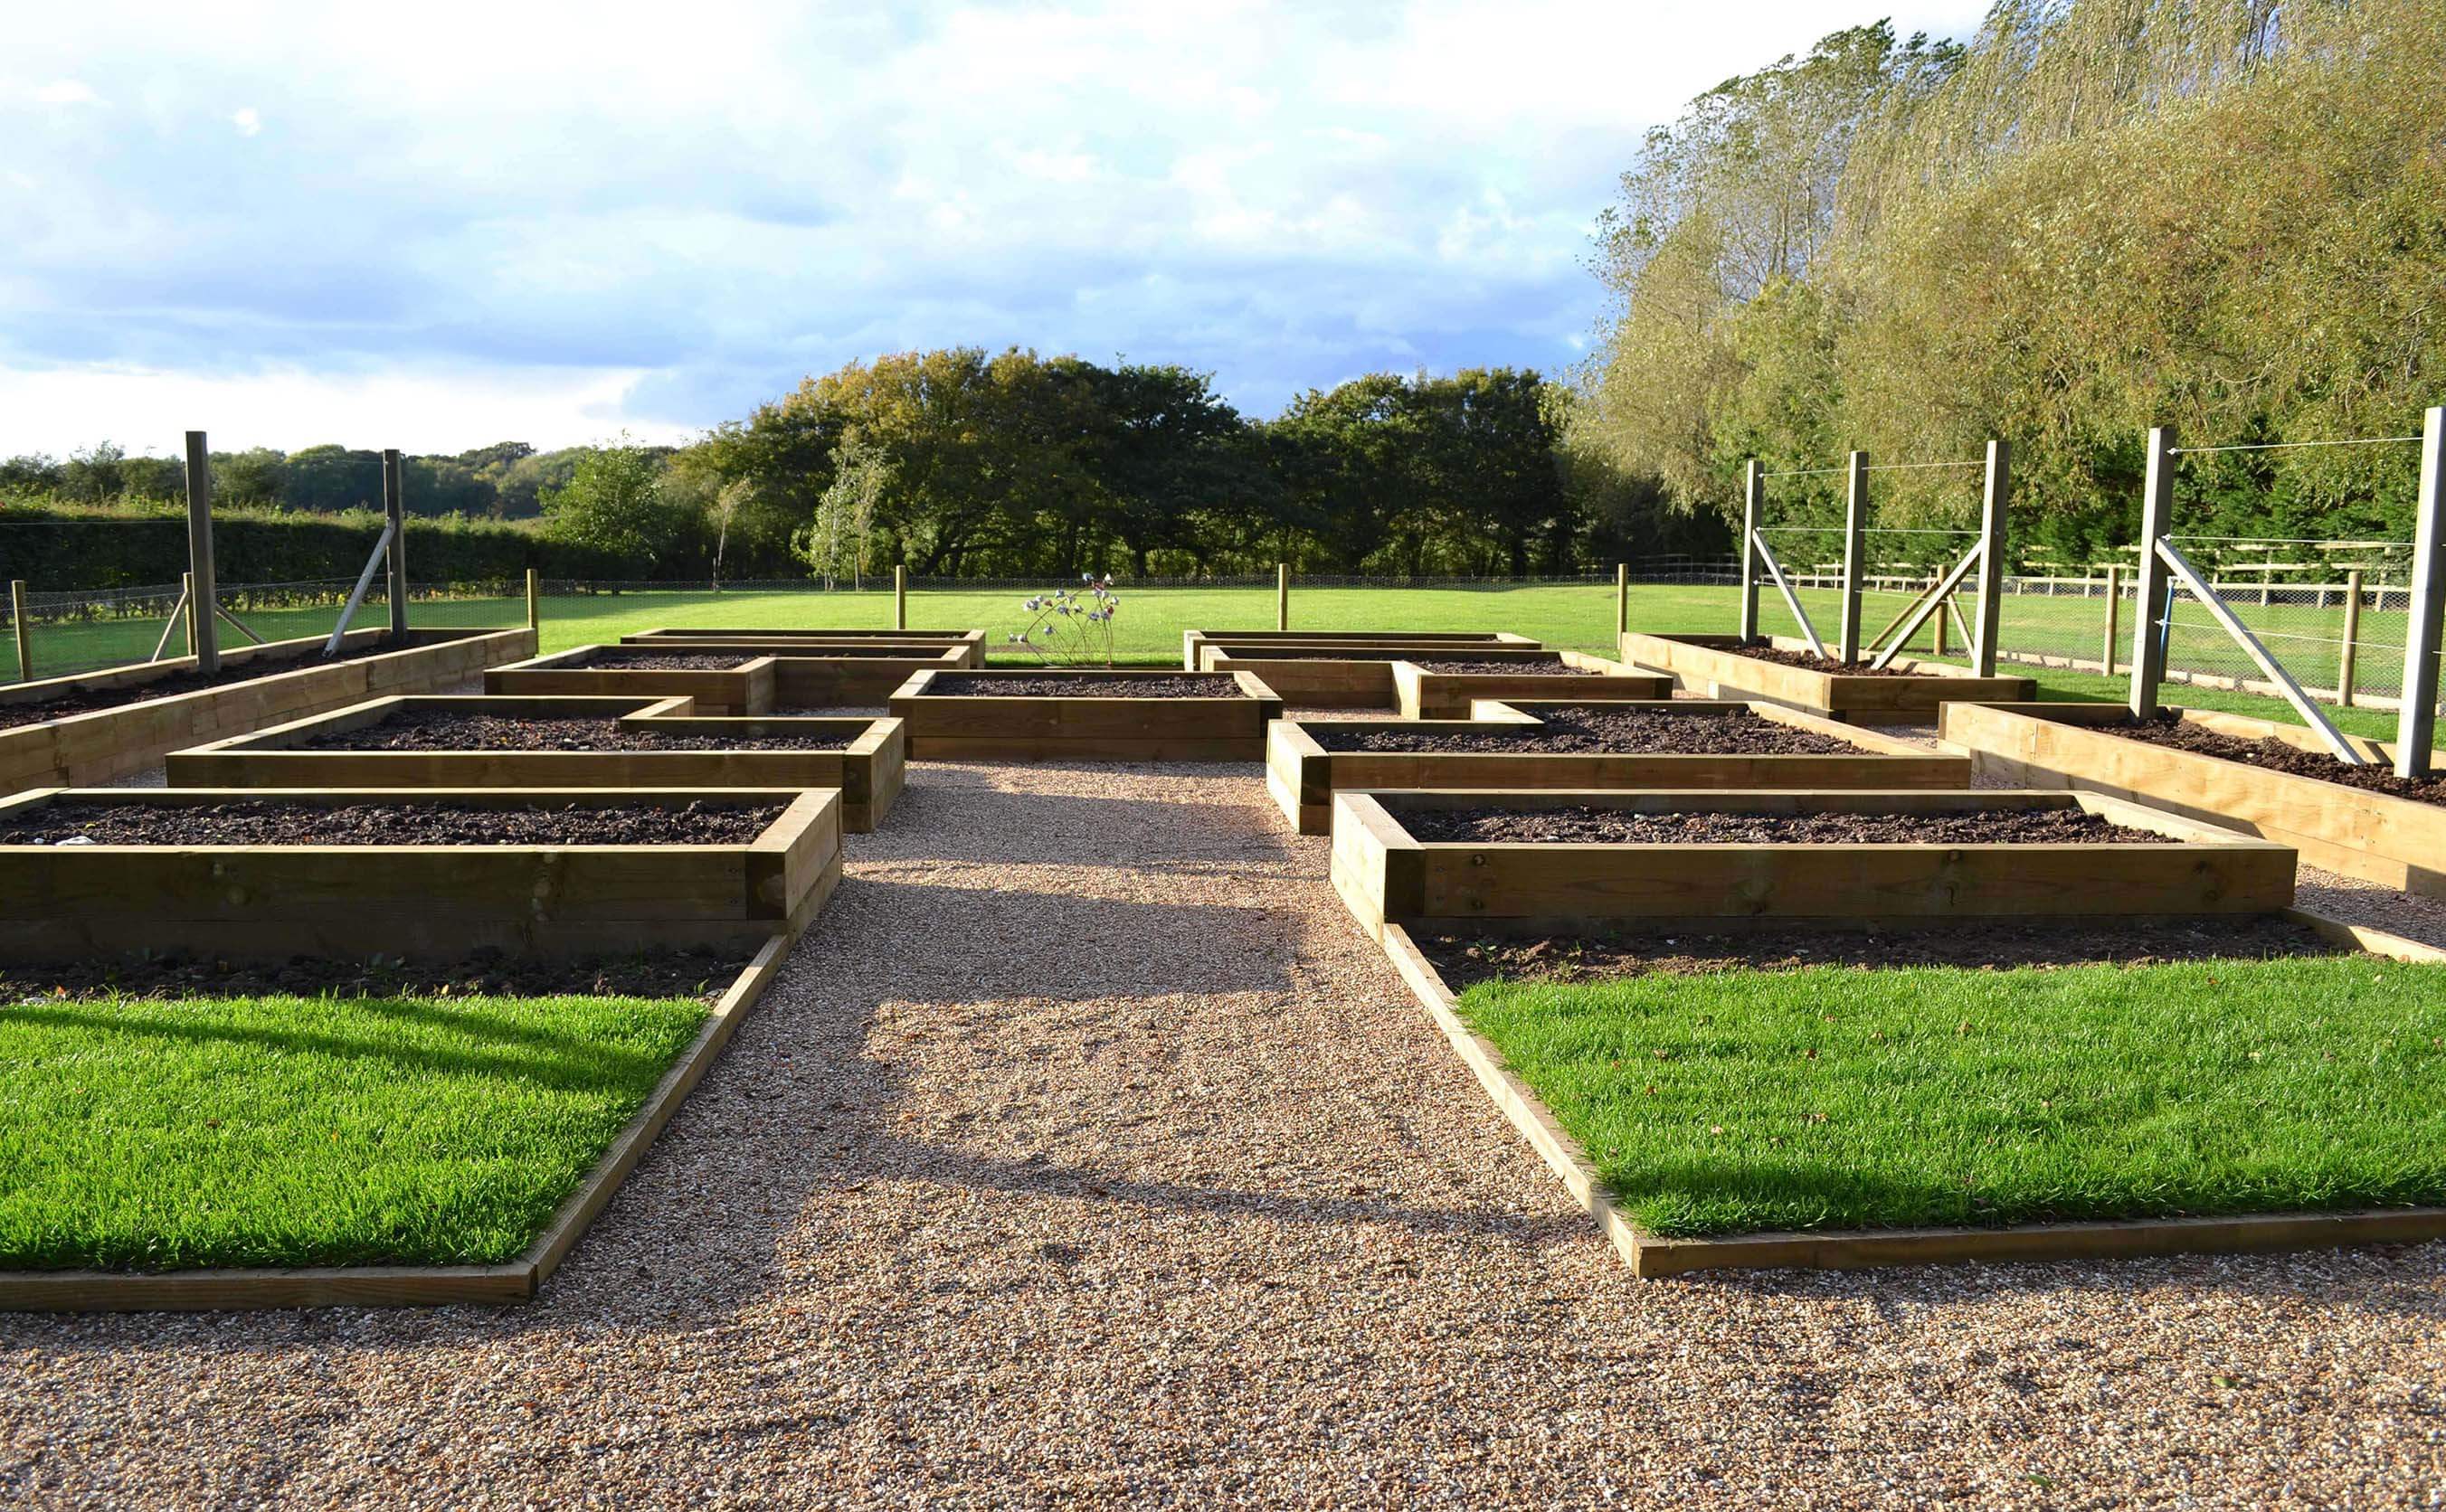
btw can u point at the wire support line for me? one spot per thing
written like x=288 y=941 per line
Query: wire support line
x=2286 y=446
x=1914 y=467
x=1804 y=471
x=1912 y=529
x=2301 y=540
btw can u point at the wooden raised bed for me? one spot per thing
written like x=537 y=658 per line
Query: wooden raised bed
x=1387 y=875
x=1301 y=775
x=746 y=688
x=517 y=1280
x=970 y=644
x=1022 y=726
x=107 y=744
x=2399 y=842
x=1194 y=641
x=1421 y=692
x=273 y=902
x=1651 y=1257
x=1709 y=666
x=868 y=769
x=1331 y=676
x=809 y=674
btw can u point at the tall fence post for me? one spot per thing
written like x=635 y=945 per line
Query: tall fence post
x=1856 y=526
x=2416 y=728
x=203 y=639
x=900 y=595
x=1620 y=603
x=1282 y=595
x=25 y=631
x=2107 y=655
x=2156 y=517
x=535 y=599
x=1753 y=505
x=395 y=510
x=1994 y=503
x=2347 y=660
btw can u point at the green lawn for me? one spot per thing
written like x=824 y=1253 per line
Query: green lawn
x=151 y=1134
x=1842 y=1098
x=1580 y=617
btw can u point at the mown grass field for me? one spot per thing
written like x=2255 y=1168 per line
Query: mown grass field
x=1841 y=1098
x=1580 y=617
x=144 y=1135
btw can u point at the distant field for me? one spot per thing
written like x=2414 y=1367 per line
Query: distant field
x=1578 y=616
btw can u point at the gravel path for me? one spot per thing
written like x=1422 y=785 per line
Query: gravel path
x=1086 y=1152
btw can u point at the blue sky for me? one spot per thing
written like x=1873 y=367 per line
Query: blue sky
x=441 y=226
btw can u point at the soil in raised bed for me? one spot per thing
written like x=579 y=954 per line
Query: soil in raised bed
x=463 y=730
x=703 y=975
x=1054 y=685
x=12 y=715
x=272 y=822
x=1577 y=824
x=1458 y=666
x=2277 y=756
x=618 y=661
x=826 y=653
x=1815 y=663
x=1279 y=653
x=1602 y=730
x=1466 y=959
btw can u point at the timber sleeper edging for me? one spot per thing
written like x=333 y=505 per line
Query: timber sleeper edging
x=1712 y=666
x=1021 y=726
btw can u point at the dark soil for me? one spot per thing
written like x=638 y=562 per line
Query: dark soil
x=1457 y=665
x=703 y=975
x=1600 y=729
x=1465 y=960
x=2277 y=756
x=1153 y=685
x=463 y=730
x=1815 y=663
x=261 y=822
x=1342 y=654
x=12 y=715
x=1579 y=824
x=820 y=653
x=650 y=661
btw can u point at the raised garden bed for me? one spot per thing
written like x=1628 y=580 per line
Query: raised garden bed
x=719 y=682
x=1325 y=675
x=1444 y=687
x=1848 y=1118
x=1858 y=858
x=352 y=1131
x=1527 y=745
x=268 y=873
x=1086 y=715
x=970 y=643
x=564 y=742
x=1193 y=642
x=128 y=718
x=2397 y=840
x=813 y=673
x=1909 y=692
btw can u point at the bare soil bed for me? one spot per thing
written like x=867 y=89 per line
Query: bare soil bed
x=1595 y=730
x=259 y=822
x=12 y=715
x=1812 y=662
x=1154 y=685
x=1578 y=825
x=461 y=730
x=1459 y=665
x=614 y=660
x=1464 y=960
x=2277 y=756
x=699 y=974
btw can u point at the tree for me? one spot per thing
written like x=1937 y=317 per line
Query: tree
x=613 y=505
x=843 y=528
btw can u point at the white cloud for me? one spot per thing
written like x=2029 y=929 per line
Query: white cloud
x=68 y=92
x=247 y=119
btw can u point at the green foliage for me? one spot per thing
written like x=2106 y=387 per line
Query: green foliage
x=613 y=505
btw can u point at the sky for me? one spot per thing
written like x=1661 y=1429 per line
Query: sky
x=443 y=226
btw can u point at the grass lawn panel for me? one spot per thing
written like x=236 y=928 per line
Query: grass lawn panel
x=155 y=1134
x=1845 y=1098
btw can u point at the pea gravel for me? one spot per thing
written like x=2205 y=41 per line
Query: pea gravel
x=1086 y=1152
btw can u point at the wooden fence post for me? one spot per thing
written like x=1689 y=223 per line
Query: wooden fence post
x=25 y=631
x=1753 y=505
x=2106 y=656
x=2416 y=728
x=900 y=595
x=1856 y=526
x=1994 y=503
x=1282 y=595
x=2345 y=668
x=534 y=601
x=2157 y=516
x=395 y=510
x=203 y=640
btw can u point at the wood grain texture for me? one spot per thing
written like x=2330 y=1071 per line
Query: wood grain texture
x=1023 y=727
x=1709 y=666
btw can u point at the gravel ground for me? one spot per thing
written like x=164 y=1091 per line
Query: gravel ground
x=1086 y=1152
